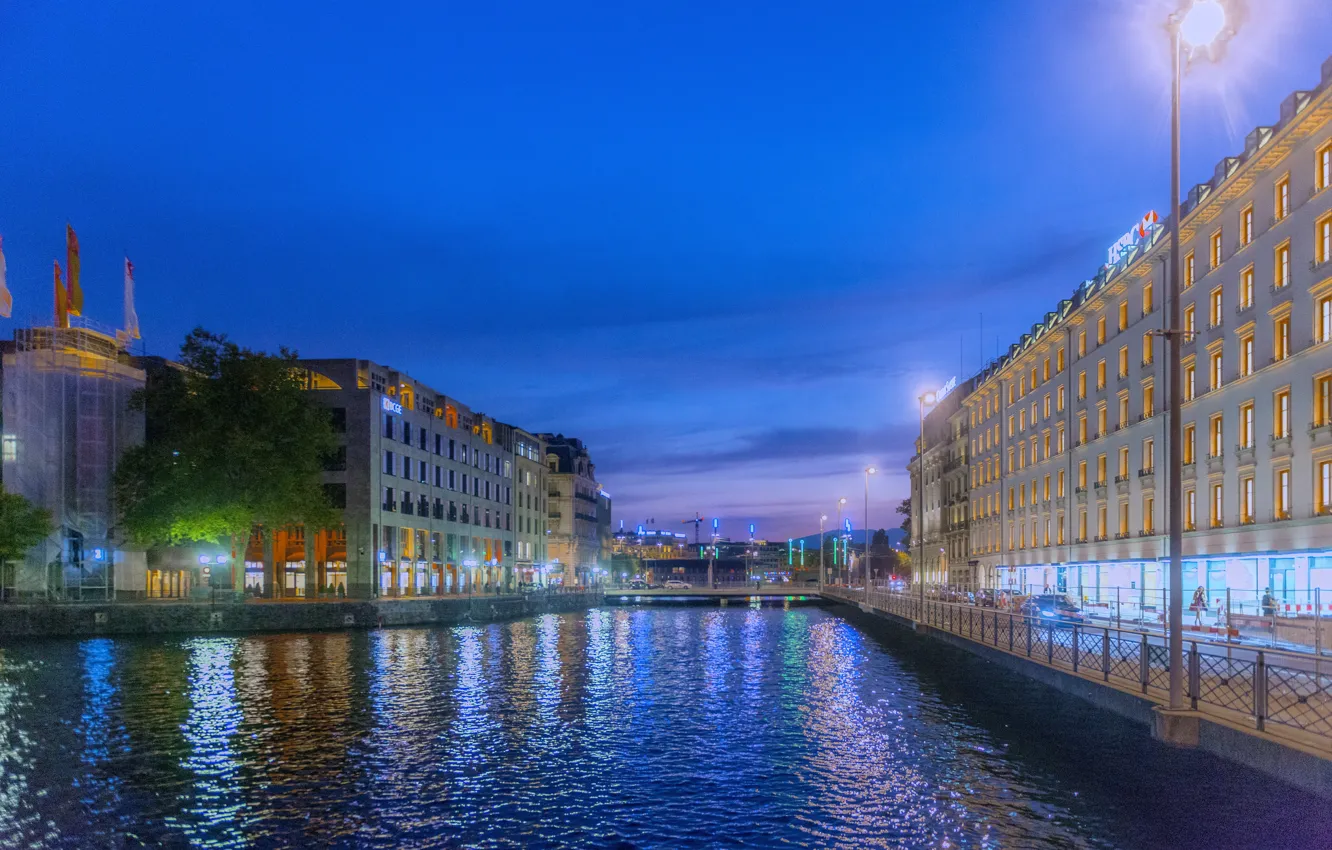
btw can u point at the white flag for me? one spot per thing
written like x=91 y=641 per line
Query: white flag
x=131 y=317
x=6 y=300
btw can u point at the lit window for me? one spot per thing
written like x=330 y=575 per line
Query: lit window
x=1100 y=470
x=1218 y=505
x=1323 y=316
x=1123 y=461
x=1082 y=384
x=1188 y=321
x=1246 y=499
x=1246 y=288
x=1216 y=442
x=1148 y=514
x=1246 y=355
x=1281 y=271
x=1082 y=474
x=1246 y=425
x=1281 y=494
x=1216 y=369
x=1281 y=337
x=1123 y=361
x=1322 y=401
x=1216 y=249
x=1188 y=270
x=1281 y=203
x=1148 y=349
x=1123 y=315
x=1100 y=330
x=1246 y=225
x=1149 y=454
x=1123 y=410
x=1100 y=374
x=1324 y=166
x=1059 y=399
x=1147 y=298
x=1188 y=382
x=1059 y=360
x=1188 y=443
x=1123 y=518
x=1323 y=240
x=1149 y=401
x=1323 y=484
x=1190 y=511
x=1281 y=414
x=1214 y=304
x=1082 y=343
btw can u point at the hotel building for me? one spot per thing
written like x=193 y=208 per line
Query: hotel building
x=529 y=510
x=1066 y=434
x=574 y=544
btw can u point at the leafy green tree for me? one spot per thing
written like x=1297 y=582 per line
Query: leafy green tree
x=905 y=510
x=22 y=526
x=232 y=441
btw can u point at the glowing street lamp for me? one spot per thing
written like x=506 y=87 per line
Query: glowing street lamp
x=1204 y=27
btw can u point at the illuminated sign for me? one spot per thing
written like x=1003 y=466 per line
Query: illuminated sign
x=945 y=389
x=390 y=405
x=1125 y=243
x=847 y=525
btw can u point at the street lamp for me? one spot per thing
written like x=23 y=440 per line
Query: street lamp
x=841 y=503
x=1201 y=24
x=822 y=519
x=869 y=470
x=925 y=398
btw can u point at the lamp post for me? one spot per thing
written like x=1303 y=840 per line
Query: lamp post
x=869 y=470
x=841 y=503
x=822 y=519
x=1200 y=24
x=925 y=398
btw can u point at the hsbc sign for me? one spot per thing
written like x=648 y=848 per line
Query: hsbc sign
x=1140 y=231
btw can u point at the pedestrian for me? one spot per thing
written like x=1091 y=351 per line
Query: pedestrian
x=1269 y=603
x=1199 y=604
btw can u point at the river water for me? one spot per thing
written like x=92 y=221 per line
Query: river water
x=619 y=728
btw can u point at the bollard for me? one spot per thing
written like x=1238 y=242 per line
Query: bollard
x=1049 y=645
x=1260 y=690
x=1105 y=654
x=1195 y=674
x=1143 y=664
x=1075 y=649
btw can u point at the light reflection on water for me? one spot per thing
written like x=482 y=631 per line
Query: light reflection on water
x=621 y=727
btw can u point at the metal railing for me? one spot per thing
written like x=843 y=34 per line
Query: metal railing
x=1287 y=694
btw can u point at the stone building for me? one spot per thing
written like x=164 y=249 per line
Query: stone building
x=574 y=496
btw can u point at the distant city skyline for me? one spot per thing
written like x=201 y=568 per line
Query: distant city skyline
x=730 y=275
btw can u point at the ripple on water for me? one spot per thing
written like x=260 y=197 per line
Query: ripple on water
x=621 y=727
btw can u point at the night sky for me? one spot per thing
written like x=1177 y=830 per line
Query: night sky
x=727 y=244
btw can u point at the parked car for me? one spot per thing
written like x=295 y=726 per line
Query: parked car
x=1052 y=609
x=987 y=598
x=676 y=584
x=638 y=584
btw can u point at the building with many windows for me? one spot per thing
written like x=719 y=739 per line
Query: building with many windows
x=529 y=510
x=939 y=510
x=1066 y=439
x=574 y=544
x=425 y=485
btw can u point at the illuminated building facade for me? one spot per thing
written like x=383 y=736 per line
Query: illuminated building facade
x=1067 y=437
x=939 y=485
x=529 y=510
x=574 y=544
x=425 y=485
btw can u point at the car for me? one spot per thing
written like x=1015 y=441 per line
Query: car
x=638 y=584
x=1052 y=609
x=676 y=584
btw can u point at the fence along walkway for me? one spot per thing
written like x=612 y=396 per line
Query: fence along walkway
x=1287 y=695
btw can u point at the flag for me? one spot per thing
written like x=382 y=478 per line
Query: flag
x=75 y=302
x=131 y=317
x=61 y=304
x=6 y=300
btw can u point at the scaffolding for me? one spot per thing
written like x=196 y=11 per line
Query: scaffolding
x=66 y=422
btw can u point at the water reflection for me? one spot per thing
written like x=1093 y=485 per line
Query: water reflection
x=622 y=727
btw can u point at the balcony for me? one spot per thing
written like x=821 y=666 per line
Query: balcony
x=1060 y=501
x=1244 y=454
x=1147 y=364
x=1315 y=266
x=1280 y=445
x=1146 y=532
x=1121 y=484
x=1189 y=471
x=1216 y=463
x=1123 y=535
x=1079 y=540
x=1100 y=538
x=1147 y=477
x=1320 y=433
x=1280 y=516
x=1243 y=308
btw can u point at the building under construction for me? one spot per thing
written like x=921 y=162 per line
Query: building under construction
x=66 y=422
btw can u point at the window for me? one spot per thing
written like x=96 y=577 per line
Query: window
x=1189 y=327
x=1045 y=488
x=1149 y=454
x=1100 y=522
x=1246 y=225
x=1188 y=270
x=1281 y=337
x=388 y=426
x=1059 y=438
x=1082 y=474
x=1246 y=425
x=1100 y=374
x=1190 y=511
x=1281 y=414
x=1323 y=486
x=1100 y=470
x=1323 y=318
x=1123 y=461
x=1218 y=505
x=388 y=504
x=1216 y=369
x=1060 y=486
x=1123 y=361
x=1148 y=401
x=1082 y=524
x=1323 y=240
x=1059 y=399
x=1148 y=349
x=1123 y=410
x=1059 y=360
x=1216 y=441
x=1188 y=443
x=1045 y=405
x=389 y=463
x=1082 y=343
x=1281 y=203
x=1246 y=288
x=1100 y=330
x=1216 y=249
x=1188 y=381
x=1082 y=384
x=1147 y=304
x=1281 y=270
x=1281 y=494
x=1101 y=428
x=1123 y=519
x=1322 y=400
x=1082 y=428
x=1214 y=308
x=1123 y=315
x=1148 y=515
x=1246 y=500
x=1323 y=166
x=1246 y=355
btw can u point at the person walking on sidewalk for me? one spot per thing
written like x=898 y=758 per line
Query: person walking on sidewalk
x=1199 y=604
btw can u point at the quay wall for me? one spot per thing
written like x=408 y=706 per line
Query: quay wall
x=146 y=618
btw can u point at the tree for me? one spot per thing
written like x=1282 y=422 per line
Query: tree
x=880 y=538
x=233 y=441
x=905 y=510
x=22 y=526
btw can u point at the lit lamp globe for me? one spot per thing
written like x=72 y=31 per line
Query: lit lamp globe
x=1203 y=23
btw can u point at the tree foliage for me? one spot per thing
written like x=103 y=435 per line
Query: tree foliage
x=905 y=510
x=233 y=440
x=22 y=525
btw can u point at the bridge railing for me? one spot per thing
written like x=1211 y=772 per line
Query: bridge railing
x=1287 y=694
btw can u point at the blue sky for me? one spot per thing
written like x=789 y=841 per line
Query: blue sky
x=726 y=244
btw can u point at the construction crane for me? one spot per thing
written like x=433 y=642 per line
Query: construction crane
x=696 y=521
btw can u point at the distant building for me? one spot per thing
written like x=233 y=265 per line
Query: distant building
x=66 y=421
x=529 y=510
x=574 y=496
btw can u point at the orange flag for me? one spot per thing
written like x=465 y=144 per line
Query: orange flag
x=61 y=304
x=75 y=304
